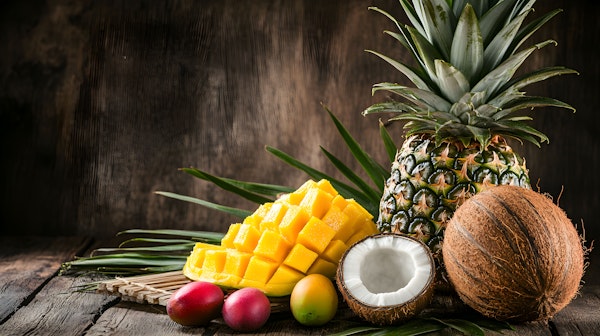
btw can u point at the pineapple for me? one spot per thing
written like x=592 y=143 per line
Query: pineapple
x=466 y=101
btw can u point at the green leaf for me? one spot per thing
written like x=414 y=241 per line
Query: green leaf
x=344 y=189
x=482 y=135
x=452 y=82
x=438 y=22
x=257 y=188
x=376 y=172
x=505 y=71
x=492 y=325
x=205 y=236
x=353 y=177
x=494 y=19
x=413 y=17
x=410 y=73
x=466 y=327
x=415 y=327
x=229 y=210
x=427 y=99
x=162 y=248
x=496 y=51
x=390 y=147
x=466 y=53
x=426 y=53
x=356 y=330
x=389 y=107
x=529 y=103
x=138 y=240
x=531 y=28
x=228 y=186
x=537 y=76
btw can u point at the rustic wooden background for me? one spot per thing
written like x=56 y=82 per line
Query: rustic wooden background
x=102 y=101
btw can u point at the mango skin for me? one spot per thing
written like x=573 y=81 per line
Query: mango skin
x=196 y=304
x=246 y=309
x=314 y=300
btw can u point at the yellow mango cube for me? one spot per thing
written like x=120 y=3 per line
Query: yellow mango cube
x=236 y=263
x=293 y=221
x=227 y=240
x=324 y=267
x=326 y=186
x=316 y=202
x=214 y=260
x=273 y=217
x=300 y=258
x=339 y=201
x=285 y=275
x=339 y=222
x=272 y=245
x=334 y=251
x=247 y=238
x=260 y=270
x=315 y=235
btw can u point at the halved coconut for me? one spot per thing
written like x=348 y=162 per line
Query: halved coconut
x=386 y=278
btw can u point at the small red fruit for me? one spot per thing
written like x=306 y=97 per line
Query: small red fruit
x=246 y=309
x=195 y=304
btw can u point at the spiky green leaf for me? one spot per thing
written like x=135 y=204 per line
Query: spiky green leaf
x=428 y=100
x=390 y=107
x=409 y=72
x=526 y=32
x=373 y=194
x=465 y=327
x=497 y=51
x=205 y=236
x=494 y=19
x=227 y=185
x=438 y=22
x=229 y=210
x=343 y=188
x=452 y=82
x=467 y=45
x=390 y=146
x=496 y=79
x=375 y=171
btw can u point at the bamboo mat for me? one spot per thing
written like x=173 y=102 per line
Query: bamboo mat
x=157 y=289
x=150 y=289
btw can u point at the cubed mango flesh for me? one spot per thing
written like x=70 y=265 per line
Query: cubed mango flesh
x=303 y=232
x=227 y=240
x=300 y=258
x=315 y=235
x=293 y=221
x=273 y=217
x=246 y=238
x=272 y=245
x=316 y=202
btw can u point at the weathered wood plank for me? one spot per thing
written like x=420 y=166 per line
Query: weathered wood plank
x=26 y=263
x=581 y=317
x=103 y=101
x=59 y=309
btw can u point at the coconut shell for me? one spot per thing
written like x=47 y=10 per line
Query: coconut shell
x=513 y=255
x=393 y=314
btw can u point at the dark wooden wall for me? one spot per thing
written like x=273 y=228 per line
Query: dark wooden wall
x=102 y=101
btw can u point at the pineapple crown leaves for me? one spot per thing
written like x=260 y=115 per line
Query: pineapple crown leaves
x=467 y=54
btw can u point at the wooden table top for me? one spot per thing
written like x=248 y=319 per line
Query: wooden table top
x=35 y=300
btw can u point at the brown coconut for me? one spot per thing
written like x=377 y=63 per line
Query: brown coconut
x=513 y=255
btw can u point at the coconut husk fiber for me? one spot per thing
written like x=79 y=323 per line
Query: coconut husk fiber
x=513 y=255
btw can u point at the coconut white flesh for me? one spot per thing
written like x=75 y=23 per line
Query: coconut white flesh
x=386 y=271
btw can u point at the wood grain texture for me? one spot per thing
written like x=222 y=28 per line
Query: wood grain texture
x=26 y=264
x=102 y=101
x=56 y=308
